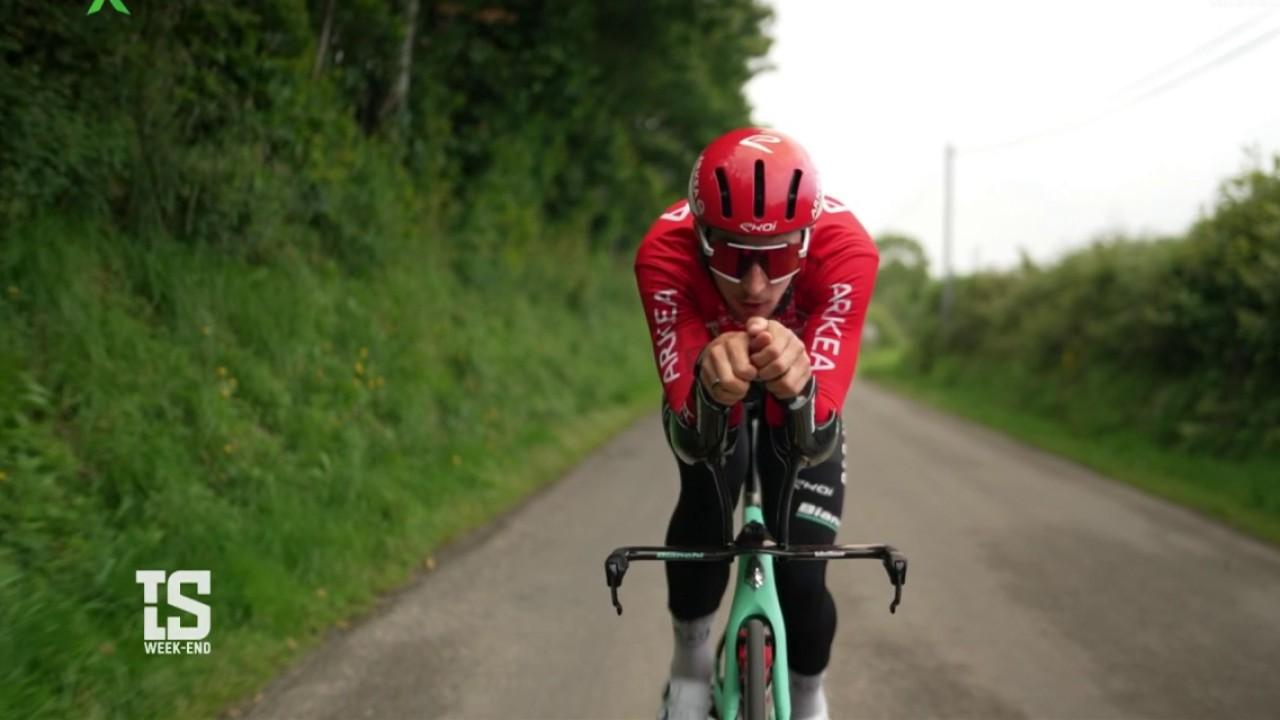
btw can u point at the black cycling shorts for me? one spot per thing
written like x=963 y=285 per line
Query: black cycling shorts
x=694 y=589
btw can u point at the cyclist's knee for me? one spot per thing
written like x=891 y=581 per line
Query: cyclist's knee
x=810 y=614
x=694 y=590
x=802 y=586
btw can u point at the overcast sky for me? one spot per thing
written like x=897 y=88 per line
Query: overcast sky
x=876 y=89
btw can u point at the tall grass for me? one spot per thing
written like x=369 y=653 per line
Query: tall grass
x=304 y=428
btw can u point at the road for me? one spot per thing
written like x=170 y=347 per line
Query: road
x=1037 y=589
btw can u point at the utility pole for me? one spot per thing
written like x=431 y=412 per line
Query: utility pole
x=949 y=162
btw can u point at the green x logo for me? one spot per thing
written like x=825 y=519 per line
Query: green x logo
x=118 y=5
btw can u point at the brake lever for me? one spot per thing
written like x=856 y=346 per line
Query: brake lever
x=895 y=564
x=615 y=567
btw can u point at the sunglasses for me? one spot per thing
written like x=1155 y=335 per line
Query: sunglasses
x=732 y=260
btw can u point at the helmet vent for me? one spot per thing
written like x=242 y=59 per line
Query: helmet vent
x=726 y=207
x=791 y=193
x=759 y=206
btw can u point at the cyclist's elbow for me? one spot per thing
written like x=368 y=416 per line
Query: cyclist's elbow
x=812 y=443
x=817 y=445
x=703 y=437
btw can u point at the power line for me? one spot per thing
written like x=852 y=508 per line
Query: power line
x=1220 y=60
x=1210 y=45
x=1160 y=89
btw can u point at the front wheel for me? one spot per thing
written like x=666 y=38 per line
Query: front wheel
x=756 y=672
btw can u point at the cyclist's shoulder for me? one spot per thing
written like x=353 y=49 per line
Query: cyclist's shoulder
x=675 y=221
x=670 y=237
x=838 y=232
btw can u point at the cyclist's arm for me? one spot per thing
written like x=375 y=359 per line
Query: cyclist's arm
x=833 y=332
x=677 y=333
x=694 y=423
x=832 y=335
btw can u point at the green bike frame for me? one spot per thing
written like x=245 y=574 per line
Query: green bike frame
x=755 y=593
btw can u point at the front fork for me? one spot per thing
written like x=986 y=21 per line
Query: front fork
x=756 y=595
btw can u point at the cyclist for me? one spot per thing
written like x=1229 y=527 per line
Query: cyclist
x=756 y=276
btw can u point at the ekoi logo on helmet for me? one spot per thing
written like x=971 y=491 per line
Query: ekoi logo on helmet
x=751 y=227
x=755 y=140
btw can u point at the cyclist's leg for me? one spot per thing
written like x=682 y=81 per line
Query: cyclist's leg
x=694 y=590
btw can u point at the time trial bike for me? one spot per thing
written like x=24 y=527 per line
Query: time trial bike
x=754 y=685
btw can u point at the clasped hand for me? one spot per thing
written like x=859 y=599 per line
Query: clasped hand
x=767 y=351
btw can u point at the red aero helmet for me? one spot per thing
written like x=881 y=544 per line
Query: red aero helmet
x=755 y=181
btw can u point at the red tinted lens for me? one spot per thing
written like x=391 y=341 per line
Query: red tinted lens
x=733 y=260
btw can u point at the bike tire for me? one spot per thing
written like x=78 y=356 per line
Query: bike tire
x=754 y=697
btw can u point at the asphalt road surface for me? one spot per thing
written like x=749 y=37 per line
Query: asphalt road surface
x=1037 y=589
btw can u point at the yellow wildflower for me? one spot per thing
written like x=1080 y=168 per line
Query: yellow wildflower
x=3 y=476
x=222 y=371
x=14 y=291
x=205 y=330
x=228 y=448
x=359 y=368
x=457 y=459
x=364 y=353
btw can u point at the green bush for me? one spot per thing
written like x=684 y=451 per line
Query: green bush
x=1178 y=337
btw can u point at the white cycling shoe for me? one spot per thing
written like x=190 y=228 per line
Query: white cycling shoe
x=686 y=699
x=821 y=716
x=808 y=699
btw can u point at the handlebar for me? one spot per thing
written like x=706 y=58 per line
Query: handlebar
x=895 y=563
x=754 y=540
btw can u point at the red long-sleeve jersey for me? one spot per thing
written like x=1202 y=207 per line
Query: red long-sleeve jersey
x=826 y=310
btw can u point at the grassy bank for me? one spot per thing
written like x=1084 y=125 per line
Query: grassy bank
x=1078 y=423
x=306 y=429
x=295 y=291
